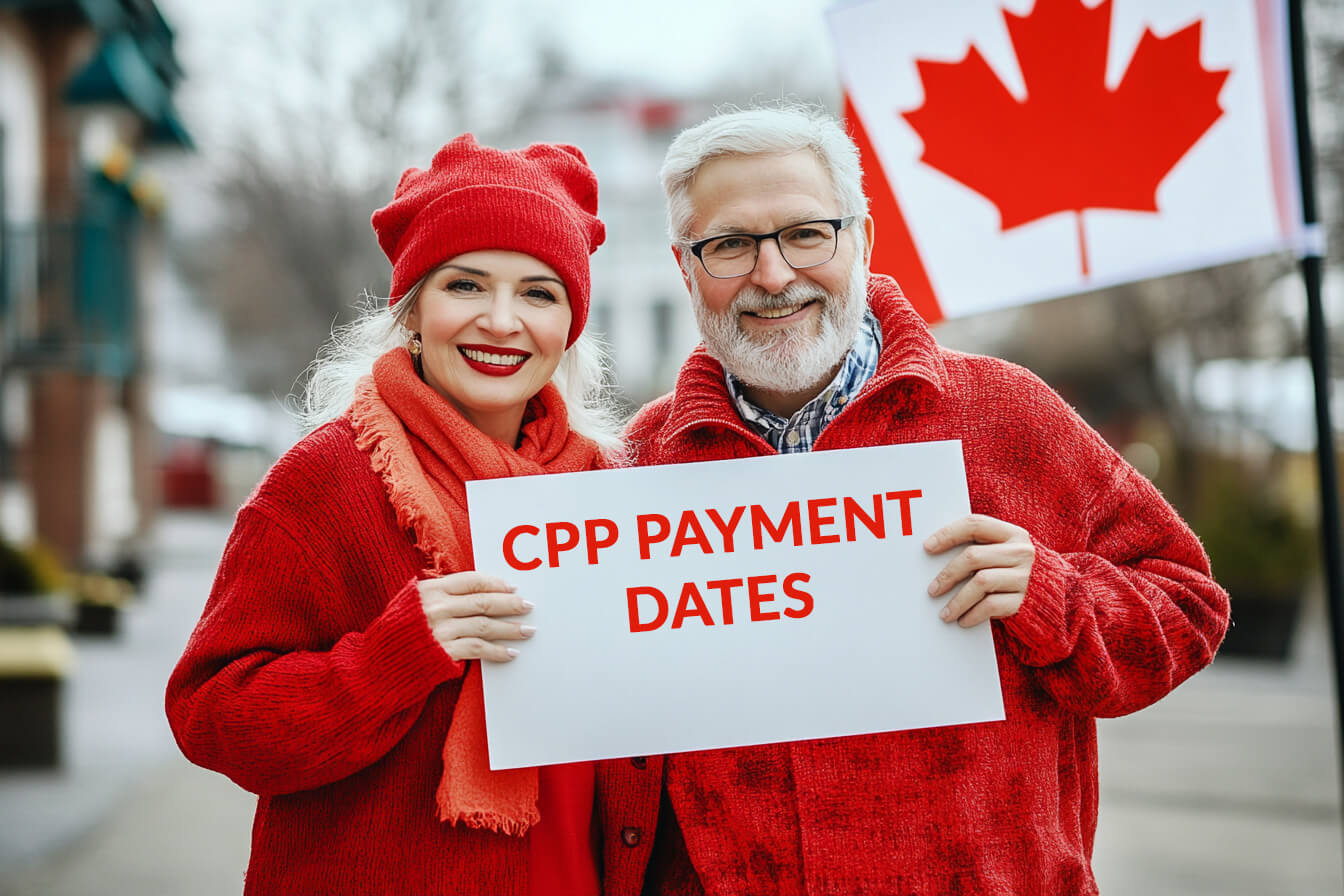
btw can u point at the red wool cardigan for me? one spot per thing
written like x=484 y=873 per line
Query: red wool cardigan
x=1119 y=610
x=330 y=699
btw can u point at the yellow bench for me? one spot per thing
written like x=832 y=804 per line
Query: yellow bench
x=34 y=663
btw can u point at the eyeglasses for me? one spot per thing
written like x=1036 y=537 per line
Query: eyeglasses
x=804 y=245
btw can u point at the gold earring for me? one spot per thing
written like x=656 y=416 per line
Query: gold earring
x=415 y=347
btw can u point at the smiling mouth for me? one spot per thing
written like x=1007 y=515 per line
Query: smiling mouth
x=493 y=360
x=497 y=357
x=777 y=313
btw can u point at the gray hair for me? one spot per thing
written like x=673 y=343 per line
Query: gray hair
x=775 y=130
x=349 y=354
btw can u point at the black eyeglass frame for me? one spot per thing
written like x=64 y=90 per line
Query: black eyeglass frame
x=838 y=224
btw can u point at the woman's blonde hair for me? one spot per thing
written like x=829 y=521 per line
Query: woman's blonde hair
x=348 y=356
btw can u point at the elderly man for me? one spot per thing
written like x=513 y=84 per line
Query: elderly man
x=1099 y=596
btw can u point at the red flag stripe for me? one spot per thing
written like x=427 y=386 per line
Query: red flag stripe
x=894 y=250
x=1278 y=95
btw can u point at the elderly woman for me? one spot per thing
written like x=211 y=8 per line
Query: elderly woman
x=331 y=672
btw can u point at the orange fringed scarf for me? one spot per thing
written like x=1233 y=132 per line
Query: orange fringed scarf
x=425 y=451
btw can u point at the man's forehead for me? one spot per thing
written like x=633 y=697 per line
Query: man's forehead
x=743 y=222
x=759 y=193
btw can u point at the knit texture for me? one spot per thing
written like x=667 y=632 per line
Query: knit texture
x=426 y=452
x=1120 y=608
x=541 y=201
x=314 y=681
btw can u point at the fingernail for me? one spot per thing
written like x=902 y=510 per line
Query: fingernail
x=929 y=544
x=528 y=630
x=512 y=652
x=512 y=587
x=945 y=615
x=528 y=605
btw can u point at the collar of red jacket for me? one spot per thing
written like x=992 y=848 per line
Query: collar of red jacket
x=909 y=356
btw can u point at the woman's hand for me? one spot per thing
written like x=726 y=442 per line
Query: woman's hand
x=464 y=611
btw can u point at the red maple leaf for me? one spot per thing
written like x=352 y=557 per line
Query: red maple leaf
x=1073 y=143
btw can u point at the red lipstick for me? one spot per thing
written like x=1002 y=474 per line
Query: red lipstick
x=489 y=357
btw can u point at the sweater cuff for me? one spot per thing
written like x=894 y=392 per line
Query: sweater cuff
x=1039 y=629
x=413 y=659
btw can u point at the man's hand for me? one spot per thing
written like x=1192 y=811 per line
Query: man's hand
x=995 y=568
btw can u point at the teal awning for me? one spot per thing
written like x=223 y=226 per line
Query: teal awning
x=99 y=12
x=103 y=15
x=168 y=130
x=119 y=73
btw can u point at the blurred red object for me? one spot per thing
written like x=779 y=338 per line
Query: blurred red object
x=659 y=115
x=189 y=475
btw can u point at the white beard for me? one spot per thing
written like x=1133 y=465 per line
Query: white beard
x=792 y=359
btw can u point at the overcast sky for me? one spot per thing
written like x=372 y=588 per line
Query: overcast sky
x=227 y=54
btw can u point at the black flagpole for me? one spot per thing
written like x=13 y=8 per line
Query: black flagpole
x=1318 y=348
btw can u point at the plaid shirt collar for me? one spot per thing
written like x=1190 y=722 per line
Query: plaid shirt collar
x=800 y=432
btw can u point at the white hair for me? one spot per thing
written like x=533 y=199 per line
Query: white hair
x=348 y=356
x=774 y=130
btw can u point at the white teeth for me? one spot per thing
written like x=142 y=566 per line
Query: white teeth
x=772 y=313
x=492 y=358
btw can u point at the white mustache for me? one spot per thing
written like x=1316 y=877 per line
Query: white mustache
x=790 y=358
x=752 y=298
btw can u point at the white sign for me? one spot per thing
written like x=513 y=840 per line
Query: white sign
x=722 y=604
x=1022 y=149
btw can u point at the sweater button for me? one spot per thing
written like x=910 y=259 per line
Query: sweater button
x=639 y=761
x=631 y=836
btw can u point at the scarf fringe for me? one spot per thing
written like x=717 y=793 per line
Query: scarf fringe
x=469 y=791
x=487 y=821
x=380 y=435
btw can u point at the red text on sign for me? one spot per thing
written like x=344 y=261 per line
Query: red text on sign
x=650 y=608
x=816 y=521
x=560 y=537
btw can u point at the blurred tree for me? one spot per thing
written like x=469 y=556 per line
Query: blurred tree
x=1326 y=33
x=1126 y=356
x=343 y=103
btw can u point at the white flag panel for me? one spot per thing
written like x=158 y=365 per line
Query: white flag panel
x=1231 y=195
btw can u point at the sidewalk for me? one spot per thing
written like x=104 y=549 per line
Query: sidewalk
x=1230 y=786
x=125 y=813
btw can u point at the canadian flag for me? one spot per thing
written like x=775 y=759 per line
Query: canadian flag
x=1017 y=150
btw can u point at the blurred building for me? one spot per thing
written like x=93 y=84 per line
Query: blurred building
x=639 y=303
x=86 y=96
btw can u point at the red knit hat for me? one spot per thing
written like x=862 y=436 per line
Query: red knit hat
x=541 y=201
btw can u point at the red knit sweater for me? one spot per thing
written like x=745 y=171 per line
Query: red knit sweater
x=313 y=680
x=1119 y=610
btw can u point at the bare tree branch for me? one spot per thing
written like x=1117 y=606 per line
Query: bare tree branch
x=356 y=99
